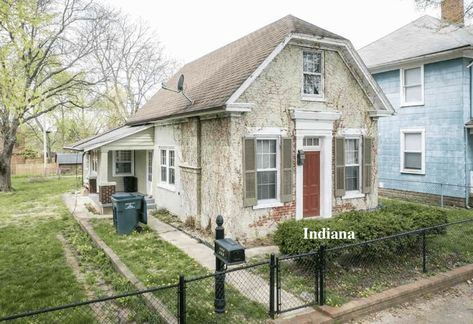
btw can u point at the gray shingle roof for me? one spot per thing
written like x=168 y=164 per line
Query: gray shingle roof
x=213 y=78
x=425 y=35
x=69 y=158
x=105 y=138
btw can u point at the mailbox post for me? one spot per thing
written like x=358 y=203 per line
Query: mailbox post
x=219 y=267
x=227 y=252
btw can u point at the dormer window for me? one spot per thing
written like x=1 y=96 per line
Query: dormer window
x=313 y=80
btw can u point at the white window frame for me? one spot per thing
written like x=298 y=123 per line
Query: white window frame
x=267 y=203
x=321 y=95
x=355 y=193
x=114 y=164
x=166 y=184
x=403 y=97
x=149 y=165
x=402 y=151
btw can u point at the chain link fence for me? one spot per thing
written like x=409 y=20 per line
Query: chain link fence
x=431 y=193
x=254 y=292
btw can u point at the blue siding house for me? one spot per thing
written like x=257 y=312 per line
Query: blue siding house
x=426 y=148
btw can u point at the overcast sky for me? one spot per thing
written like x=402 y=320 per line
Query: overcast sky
x=189 y=29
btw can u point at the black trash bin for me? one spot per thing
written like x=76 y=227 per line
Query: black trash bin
x=128 y=211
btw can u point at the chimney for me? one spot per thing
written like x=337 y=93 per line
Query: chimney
x=452 y=11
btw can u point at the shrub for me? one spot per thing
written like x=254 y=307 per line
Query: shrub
x=392 y=219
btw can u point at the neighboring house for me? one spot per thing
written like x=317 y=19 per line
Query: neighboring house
x=279 y=124
x=425 y=69
x=69 y=162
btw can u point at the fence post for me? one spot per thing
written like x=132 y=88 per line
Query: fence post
x=322 y=275
x=272 y=275
x=316 y=276
x=441 y=195
x=424 y=253
x=182 y=300
x=278 y=287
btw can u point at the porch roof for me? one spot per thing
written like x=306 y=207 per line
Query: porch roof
x=109 y=137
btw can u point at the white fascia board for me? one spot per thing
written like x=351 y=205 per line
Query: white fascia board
x=424 y=59
x=239 y=107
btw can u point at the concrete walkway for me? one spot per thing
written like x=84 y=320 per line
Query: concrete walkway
x=248 y=284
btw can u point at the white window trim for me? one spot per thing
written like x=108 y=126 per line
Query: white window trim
x=165 y=184
x=416 y=103
x=407 y=131
x=351 y=194
x=314 y=97
x=114 y=166
x=271 y=203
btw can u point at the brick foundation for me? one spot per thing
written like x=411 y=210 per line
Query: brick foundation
x=420 y=197
x=105 y=194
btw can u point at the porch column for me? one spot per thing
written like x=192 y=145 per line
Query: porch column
x=106 y=188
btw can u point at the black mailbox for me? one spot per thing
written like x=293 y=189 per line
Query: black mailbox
x=229 y=251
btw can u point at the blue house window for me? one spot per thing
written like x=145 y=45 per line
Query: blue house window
x=412 y=151
x=412 y=86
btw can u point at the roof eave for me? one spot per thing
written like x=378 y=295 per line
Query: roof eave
x=462 y=51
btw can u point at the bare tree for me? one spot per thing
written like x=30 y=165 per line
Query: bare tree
x=131 y=62
x=42 y=46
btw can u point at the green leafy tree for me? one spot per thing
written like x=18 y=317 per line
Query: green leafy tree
x=43 y=46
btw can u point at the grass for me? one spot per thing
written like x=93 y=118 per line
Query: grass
x=34 y=272
x=358 y=274
x=157 y=262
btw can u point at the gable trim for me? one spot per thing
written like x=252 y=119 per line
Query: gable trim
x=346 y=44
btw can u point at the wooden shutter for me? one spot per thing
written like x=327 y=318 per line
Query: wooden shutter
x=286 y=169
x=249 y=172
x=367 y=165
x=339 y=166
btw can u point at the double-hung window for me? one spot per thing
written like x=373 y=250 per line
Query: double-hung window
x=412 y=151
x=167 y=161
x=312 y=75
x=352 y=164
x=266 y=169
x=412 y=86
x=123 y=162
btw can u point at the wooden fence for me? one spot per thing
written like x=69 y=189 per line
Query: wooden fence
x=34 y=169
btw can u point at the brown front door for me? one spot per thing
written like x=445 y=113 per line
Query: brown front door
x=312 y=184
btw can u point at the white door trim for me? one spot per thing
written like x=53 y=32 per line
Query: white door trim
x=149 y=184
x=317 y=124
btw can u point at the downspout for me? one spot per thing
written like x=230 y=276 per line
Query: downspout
x=199 y=166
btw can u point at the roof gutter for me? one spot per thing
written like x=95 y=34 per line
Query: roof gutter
x=178 y=116
x=430 y=57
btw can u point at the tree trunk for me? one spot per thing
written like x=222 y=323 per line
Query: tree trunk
x=5 y=161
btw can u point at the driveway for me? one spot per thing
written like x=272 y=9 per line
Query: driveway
x=454 y=306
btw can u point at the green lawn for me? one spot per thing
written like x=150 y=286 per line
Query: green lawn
x=157 y=262
x=33 y=270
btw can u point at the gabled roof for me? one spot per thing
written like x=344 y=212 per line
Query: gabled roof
x=423 y=36
x=213 y=78
x=106 y=138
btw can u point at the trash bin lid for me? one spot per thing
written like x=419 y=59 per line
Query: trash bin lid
x=122 y=195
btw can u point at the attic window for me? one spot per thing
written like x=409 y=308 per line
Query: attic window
x=312 y=75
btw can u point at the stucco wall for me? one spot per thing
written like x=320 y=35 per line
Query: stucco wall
x=443 y=115
x=275 y=92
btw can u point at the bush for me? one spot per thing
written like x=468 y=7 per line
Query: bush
x=391 y=219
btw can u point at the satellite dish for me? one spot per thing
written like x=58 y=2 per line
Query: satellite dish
x=180 y=83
